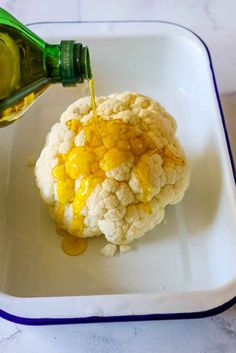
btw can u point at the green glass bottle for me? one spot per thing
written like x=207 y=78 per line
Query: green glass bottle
x=28 y=66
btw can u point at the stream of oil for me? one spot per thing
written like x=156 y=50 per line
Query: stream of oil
x=92 y=95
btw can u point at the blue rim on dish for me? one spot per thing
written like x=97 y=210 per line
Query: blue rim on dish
x=167 y=316
x=97 y=319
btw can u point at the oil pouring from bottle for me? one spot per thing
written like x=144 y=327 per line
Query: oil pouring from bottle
x=28 y=66
x=92 y=95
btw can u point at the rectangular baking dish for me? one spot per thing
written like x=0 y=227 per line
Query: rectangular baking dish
x=185 y=267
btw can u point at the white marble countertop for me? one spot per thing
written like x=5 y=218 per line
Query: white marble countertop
x=214 y=21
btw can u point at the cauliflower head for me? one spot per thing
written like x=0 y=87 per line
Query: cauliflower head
x=115 y=173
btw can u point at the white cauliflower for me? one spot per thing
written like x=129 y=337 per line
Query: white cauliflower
x=109 y=250
x=113 y=175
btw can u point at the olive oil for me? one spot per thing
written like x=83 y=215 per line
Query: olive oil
x=92 y=94
x=73 y=246
x=28 y=66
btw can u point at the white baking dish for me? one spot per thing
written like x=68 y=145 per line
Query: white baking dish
x=185 y=267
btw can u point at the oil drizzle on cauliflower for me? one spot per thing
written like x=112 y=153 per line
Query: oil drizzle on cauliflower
x=113 y=175
x=107 y=144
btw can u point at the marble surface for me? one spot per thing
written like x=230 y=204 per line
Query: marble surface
x=214 y=21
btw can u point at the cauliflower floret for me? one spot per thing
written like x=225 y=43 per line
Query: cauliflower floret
x=124 y=194
x=150 y=169
x=120 y=173
x=109 y=250
x=80 y=139
x=114 y=174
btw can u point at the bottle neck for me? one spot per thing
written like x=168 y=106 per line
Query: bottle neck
x=68 y=63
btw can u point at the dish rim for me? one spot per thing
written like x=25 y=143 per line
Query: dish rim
x=144 y=317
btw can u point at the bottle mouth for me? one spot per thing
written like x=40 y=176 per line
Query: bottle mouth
x=75 y=63
x=86 y=67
